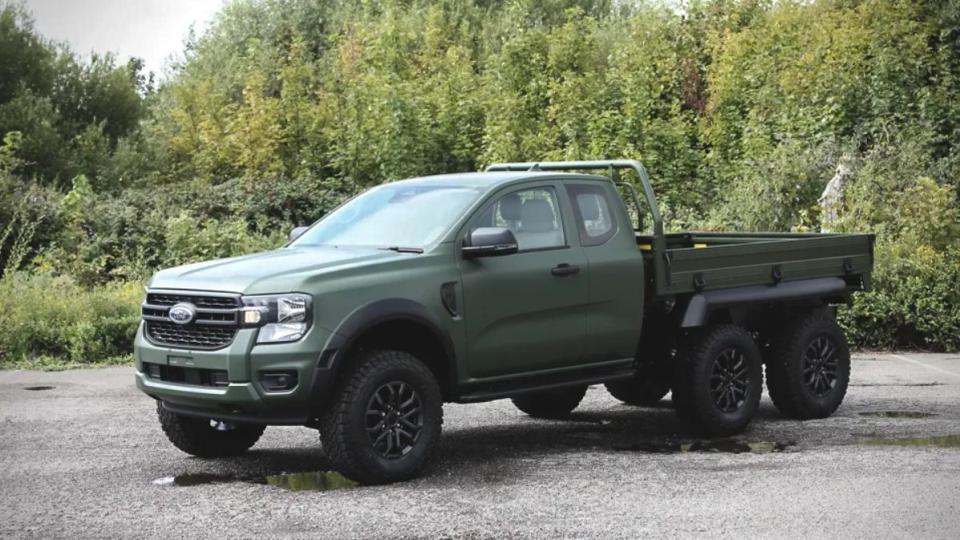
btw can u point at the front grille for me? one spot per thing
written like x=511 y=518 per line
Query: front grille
x=214 y=326
x=190 y=337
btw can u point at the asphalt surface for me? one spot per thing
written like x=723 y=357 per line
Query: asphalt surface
x=86 y=458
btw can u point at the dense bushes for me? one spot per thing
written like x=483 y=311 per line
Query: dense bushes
x=50 y=320
x=915 y=301
x=741 y=110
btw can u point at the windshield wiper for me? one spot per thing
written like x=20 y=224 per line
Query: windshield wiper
x=401 y=249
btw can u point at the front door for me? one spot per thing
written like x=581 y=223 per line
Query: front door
x=526 y=311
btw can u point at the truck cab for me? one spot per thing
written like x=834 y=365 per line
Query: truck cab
x=529 y=281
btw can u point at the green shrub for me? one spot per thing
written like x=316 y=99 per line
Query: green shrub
x=192 y=240
x=50 y=320
x=915 y=301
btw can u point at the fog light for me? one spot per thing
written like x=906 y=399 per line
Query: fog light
x=153 y=370
x=276 y=381
x=219 y=378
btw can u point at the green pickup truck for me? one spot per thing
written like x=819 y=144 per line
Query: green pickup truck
x=530 y=281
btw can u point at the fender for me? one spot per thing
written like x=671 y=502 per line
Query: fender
x=698 y=309
x=333 y=357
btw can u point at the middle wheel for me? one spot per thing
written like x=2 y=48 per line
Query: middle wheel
x=550 y=403
x=719 y=379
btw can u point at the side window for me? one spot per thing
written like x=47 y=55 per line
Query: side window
x=533 y=216
x=591 y=207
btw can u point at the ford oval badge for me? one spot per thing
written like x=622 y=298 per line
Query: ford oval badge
x=182 y=313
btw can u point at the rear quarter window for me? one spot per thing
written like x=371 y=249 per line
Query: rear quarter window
x=592 y=209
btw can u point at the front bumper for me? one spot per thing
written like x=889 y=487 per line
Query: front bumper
x=243 y=398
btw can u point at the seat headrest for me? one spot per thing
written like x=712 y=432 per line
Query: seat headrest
x=510 y=207
x=589 y=206
x=537 y=216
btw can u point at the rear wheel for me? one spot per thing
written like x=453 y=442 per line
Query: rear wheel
x=557 y=403
x=203 y=437
x=718 y=380
x=808 y=367
x=383 y=424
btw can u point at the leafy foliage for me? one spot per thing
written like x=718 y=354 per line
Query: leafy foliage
x=50 y=319
x=741 y=110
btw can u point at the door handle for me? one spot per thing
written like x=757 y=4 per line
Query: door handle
x=564 y=269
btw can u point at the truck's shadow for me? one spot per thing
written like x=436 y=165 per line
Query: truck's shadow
x=499 y=452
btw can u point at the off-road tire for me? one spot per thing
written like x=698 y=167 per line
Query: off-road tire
x=198 y=437
x=343 y=428
x=701 y=354
x=557 y=403
x=797 y=348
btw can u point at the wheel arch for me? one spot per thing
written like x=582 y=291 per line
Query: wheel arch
x=737 y=305
x=393 y=323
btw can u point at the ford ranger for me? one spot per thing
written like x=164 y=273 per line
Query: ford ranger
x=529 y=281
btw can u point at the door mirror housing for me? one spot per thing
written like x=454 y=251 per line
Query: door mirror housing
x=297 y=232
x=489 y=242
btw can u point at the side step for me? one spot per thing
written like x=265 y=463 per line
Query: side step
x=536 y=382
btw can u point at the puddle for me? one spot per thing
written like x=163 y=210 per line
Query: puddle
x=943 y=441
x=300 y=481
x=310 y=481
x=898 y=414
x=722 y=446
x=899 y=384
x=38 y=388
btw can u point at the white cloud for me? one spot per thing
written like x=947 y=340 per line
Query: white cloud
x=150 y=29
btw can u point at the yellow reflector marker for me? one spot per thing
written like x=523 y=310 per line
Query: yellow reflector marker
x=699 y=246
x=645 y=247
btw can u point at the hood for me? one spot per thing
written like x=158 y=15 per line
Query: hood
x=282 y=270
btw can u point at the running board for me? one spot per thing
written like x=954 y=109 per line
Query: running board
x=525 y=384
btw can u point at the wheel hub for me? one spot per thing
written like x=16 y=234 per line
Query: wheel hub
x=730 y=380
x=394 y=419
x=820 y=365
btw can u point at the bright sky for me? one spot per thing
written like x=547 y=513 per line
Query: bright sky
x=150 y=29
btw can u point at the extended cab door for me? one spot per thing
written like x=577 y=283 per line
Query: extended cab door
x=615 y=315
x=526 y=311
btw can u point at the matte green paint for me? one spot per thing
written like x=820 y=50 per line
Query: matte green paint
x=514 y=317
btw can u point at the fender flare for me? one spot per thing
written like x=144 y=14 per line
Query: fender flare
x=362 y=319
x=697 y=312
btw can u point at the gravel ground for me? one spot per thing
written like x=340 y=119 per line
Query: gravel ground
x=86 y=458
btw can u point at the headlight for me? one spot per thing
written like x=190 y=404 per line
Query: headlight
x=281 y=317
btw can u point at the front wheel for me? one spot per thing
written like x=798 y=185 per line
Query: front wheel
x=718 y=380
x=208 y=438
x=383 y=423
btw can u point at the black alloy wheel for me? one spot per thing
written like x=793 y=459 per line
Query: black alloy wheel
x=808 y=365
x=730 y=380
x=383 y=422
x=820 y=365
x=394 y=419
x=718 y=379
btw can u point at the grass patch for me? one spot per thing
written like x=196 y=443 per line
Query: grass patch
x=52 y=323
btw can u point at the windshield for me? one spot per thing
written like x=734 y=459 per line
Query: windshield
x=392 y=215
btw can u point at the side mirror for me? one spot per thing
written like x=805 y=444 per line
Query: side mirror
x=297 y=232
x=489 y=242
